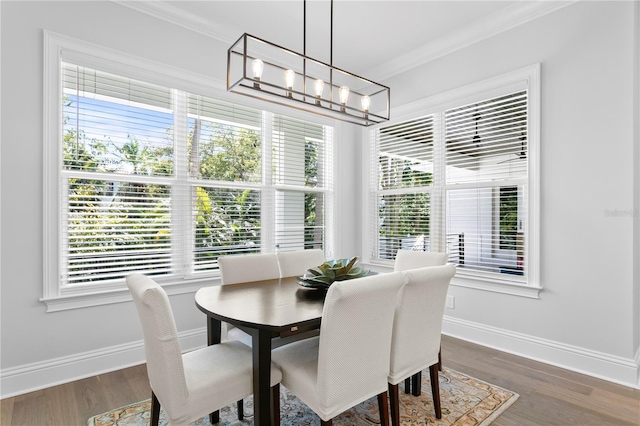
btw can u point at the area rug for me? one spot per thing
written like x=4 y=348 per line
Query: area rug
x=465 y=401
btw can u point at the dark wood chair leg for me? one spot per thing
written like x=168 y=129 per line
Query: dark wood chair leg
x=275 y=404
x=214 y=417
x=435 y=390
x=394 y=403
x=155 y=410
x=407 y=385
x=416 y=383
x=440 y=359
x=240 y=405
x=326 y=423
x=383 y=408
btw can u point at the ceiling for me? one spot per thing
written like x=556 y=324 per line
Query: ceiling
x=375 y=39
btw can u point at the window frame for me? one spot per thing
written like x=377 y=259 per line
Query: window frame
x=59 y=48
x=527 y=77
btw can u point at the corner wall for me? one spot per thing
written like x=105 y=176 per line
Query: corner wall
x=587 y=316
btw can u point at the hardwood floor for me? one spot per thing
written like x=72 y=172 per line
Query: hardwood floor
x=548 y=395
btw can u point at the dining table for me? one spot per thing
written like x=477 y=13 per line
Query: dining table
x=266 y=310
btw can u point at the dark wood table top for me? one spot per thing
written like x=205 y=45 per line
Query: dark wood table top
x=277 y=305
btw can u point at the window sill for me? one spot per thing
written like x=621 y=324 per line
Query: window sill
x=462 y=279
x=118 y=295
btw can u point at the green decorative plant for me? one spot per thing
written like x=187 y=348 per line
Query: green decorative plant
x=330 y=271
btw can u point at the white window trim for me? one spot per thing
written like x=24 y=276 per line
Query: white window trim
x=528 y=77
x=109 y=60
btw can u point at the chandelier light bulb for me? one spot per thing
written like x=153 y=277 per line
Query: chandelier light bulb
x=257 y=66
x=344 y=96
x=289 y=78
x=366 y=102
x=319 y=88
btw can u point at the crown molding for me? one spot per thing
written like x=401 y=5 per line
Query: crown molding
x=172 y=14
x=505 y=19
x=510 y=17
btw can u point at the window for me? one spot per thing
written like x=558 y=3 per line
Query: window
x=460 y=178
x=160 y=180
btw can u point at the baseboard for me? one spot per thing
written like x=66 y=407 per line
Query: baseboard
x=624 y=371
x=32 y=377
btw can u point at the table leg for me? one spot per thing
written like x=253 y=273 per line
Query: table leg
x=261 y=343
x=214 y=334
x=214 y=331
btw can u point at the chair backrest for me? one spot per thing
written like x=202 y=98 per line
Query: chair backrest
x=408 y=259
x=296 y=263
x=248 y=267
x=417 y=325
x=161 y=344
x=355 y=337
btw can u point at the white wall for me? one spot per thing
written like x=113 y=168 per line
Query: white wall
x=586 y=316
x=40 y=349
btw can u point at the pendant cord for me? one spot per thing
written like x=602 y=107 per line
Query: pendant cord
x=304 y=48
x=331 y=41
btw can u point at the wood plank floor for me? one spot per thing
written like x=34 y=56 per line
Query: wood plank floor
x=548 y=395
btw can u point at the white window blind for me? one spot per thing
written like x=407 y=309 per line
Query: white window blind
x=486 y=148
x=405 y=167
x=460 y=186
x=225 y=157
x=117 y=170
x=302 y=176
x=161 y=181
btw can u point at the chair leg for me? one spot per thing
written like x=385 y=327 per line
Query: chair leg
x=240 y=405
x=155 y=410
x=407 y=385
x=275 y=403
x=383 y=408
x=214 y=417
x=416 y=383
x=326 y=422
x=440 y=359
x=394 y=403
x=435 y=390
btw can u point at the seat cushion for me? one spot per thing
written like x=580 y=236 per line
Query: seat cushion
x=217 y=376
x=300 y=372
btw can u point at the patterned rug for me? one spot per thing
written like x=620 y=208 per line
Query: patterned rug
x=465 y=401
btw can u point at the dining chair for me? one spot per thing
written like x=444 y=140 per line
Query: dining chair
x=239 y=268
x=191 y=385
x=349 y=362
x=295 y=263
x=242 y=268
x=417 y=329
x=409 y=259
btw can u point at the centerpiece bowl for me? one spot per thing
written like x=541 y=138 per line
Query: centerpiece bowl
x=322 y=276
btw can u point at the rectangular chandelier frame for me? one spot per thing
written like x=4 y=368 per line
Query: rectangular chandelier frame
x=257 y=68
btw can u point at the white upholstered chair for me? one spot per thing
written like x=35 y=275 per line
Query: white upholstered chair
x=197 y=383
x=349 y=362
x=245 y=268
x=248 y=267
x=408 y=259
x=240 y=268
x=296 y=263
x=417 y=328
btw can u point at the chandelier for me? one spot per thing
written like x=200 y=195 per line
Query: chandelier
x=267 y=71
